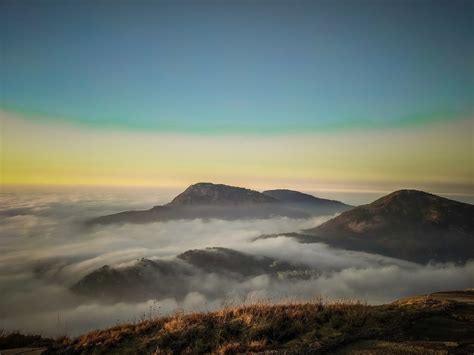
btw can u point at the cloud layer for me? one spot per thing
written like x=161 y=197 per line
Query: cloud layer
x=46 y=249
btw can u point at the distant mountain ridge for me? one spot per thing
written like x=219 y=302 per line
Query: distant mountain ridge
x=285 y=195
x=307 y=202
x=207 y=200
x=206 y=193
x=146 y=279
x=406 y=224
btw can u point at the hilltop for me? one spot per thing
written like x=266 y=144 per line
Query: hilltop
x=406 y=224
x=147 y=279
x=307 y=202
x=207 y=200
x=432 y=324
x=206 y=193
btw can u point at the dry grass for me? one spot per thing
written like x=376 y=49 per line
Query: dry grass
x=290 y=327
x=315 y=327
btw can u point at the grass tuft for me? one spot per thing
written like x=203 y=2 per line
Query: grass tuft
x=292 y=327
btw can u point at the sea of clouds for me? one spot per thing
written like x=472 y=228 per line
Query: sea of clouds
x=46 y=249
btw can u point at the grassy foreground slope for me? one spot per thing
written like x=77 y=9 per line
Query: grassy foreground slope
x=435 y=324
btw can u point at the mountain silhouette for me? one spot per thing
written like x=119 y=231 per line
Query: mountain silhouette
x=307 y=202
x=206 y=200
x=406 y=224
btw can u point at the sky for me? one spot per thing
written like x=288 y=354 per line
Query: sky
x=335 y=95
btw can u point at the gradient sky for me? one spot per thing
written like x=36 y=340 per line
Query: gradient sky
x=340 y=94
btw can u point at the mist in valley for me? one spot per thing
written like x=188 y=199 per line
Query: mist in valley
x=47 y=249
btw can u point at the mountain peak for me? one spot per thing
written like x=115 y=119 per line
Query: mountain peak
x=207 y=200
x=410 y=202
x=406 y=224
x=206 y=193
x=409 y=194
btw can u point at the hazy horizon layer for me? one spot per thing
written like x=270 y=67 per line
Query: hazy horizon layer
x=154 y=196
x=435 y=158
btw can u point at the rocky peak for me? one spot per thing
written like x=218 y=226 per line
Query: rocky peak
x=206 y=193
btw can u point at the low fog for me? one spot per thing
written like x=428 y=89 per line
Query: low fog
x=46 y=249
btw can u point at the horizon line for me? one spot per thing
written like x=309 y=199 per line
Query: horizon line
x=184 y=186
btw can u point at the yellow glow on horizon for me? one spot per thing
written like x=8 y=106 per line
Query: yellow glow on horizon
x=46 y=154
